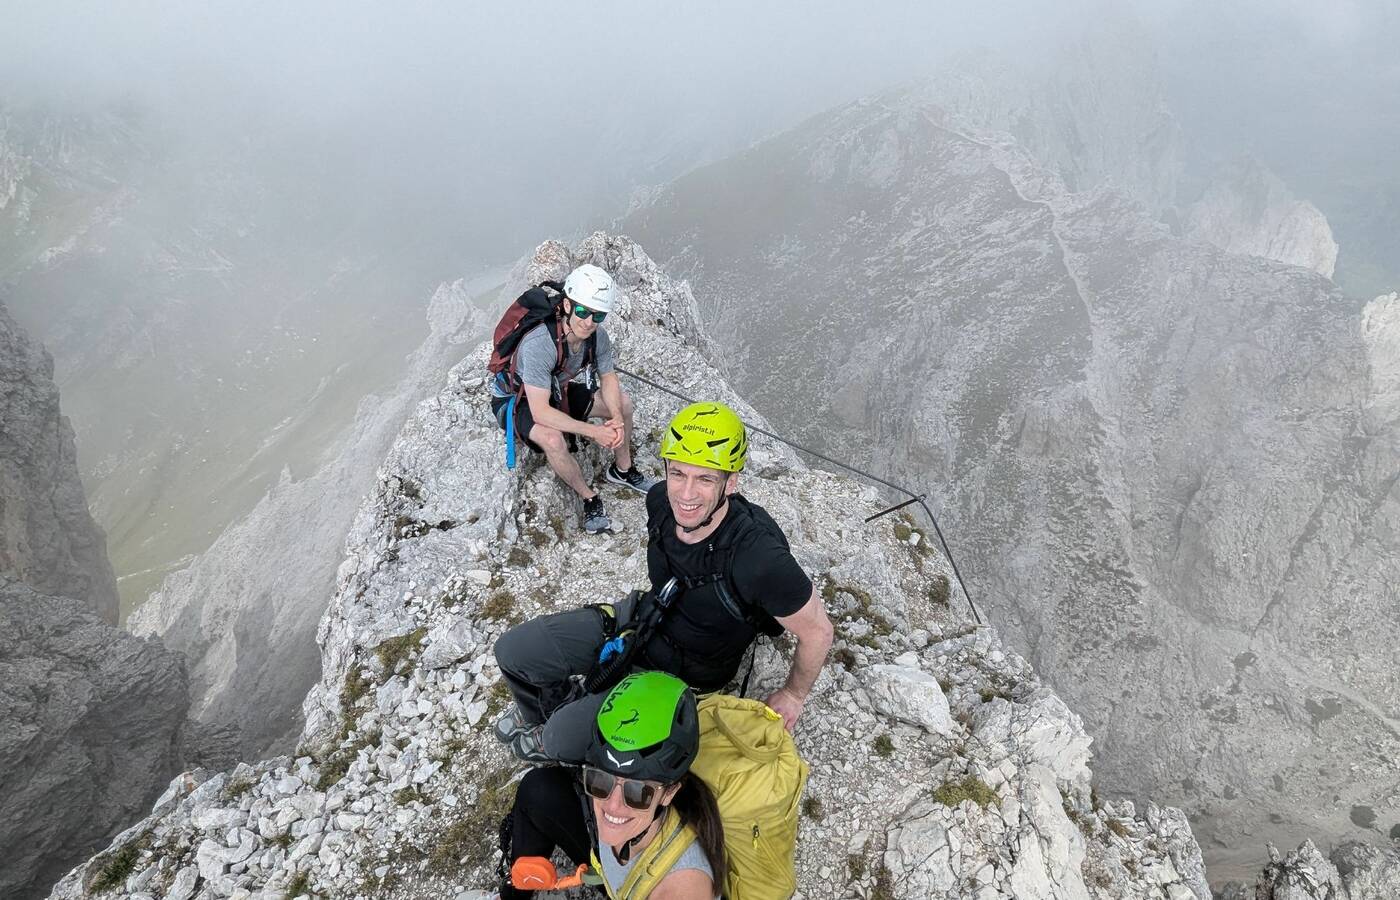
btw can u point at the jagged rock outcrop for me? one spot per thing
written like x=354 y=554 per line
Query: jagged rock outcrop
x=245 y=612
x=90 y=725
x=47 y=537
x=398 y=786
x=1165 y=469
x=1248 y=209
x=1353 y=871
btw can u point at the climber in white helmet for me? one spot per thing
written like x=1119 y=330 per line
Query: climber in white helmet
x=566 y=369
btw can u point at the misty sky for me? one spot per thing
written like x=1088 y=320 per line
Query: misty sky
x=545 y=115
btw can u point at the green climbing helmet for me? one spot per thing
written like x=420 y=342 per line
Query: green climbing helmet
x=647 y=729
x=706 y=434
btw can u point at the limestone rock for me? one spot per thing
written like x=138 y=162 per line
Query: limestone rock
x=1247 y=209
x=909 y=695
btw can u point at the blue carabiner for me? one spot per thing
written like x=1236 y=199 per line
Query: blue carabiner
x=610 y=649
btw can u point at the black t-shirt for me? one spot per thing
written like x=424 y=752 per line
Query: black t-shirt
x=704 y=637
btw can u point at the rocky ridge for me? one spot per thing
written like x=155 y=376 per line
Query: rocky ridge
x=245 y=612
x=1248 y=209
x=47 y=537
x=1165 y=468
x=942 y=766
x=1353 y=871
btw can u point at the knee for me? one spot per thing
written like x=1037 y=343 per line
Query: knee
x=512 y=646
x=550 y=439
x=626 y=405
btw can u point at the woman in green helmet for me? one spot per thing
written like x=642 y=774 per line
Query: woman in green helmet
x=632 y=810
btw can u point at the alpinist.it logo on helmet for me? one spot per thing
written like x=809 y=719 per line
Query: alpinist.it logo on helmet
x=700 y=428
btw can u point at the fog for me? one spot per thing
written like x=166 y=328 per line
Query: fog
x=511 y=122
x=237 y=212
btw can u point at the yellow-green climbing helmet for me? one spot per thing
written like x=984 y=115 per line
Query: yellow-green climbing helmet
x=706 y=434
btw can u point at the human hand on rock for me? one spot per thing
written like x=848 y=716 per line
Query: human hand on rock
x=787 y=704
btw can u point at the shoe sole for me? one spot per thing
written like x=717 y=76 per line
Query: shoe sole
x=604 y=528
x=622 y=482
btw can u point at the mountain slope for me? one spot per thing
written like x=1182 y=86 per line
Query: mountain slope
x=1164 y=468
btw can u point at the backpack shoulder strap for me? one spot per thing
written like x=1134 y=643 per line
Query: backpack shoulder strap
x=657 y=860
x=750 y=518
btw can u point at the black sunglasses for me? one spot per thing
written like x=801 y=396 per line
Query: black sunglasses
x=583 y=312
x=636 y=794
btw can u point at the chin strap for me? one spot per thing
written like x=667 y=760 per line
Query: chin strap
x=626 y=852
x=723 y=501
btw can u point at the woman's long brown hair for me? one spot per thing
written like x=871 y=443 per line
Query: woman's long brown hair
x=698 y=809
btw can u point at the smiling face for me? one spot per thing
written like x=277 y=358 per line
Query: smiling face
x=618 y=823
x=694 y=491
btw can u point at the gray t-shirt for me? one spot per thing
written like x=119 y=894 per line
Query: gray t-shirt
x=616 y=872
x=536 y=353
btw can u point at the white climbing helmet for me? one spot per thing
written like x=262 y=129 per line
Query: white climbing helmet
x=590 y=286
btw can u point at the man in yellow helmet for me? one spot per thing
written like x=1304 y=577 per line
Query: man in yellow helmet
x=737 y=579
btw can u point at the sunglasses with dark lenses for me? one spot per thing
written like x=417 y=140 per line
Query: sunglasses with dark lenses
x=583 y=312
x=636 y=794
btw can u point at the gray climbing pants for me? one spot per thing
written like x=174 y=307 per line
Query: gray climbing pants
x=539 y=658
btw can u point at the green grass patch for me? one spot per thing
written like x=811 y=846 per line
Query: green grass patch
x=281 y=841
x=356 y=686
x=884 y=746
x=469 y=842
x=813 y=808
x=992 y=692
x=518 y=557
x=939 y=591
x=884 y=884
x=395 y=650
x=298 y=886
x=952 y=793
x=1119 y=828
x=338 y=761
x=238 y=787
x=855 y=865
x=846 y=657
x=496 y=701
x=499 y=607
x=118 y=867
x=405 y=796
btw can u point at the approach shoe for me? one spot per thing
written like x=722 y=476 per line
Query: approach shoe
x=629 y=479
x=595 y=521
x=511 y=723
x=528 y=746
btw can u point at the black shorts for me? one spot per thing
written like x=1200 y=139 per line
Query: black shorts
x=579 y=403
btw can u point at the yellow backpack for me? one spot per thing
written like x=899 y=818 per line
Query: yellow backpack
x=750 y=762
x=751 y=765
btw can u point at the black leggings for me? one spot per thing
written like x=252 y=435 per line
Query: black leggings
x=548 y=814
